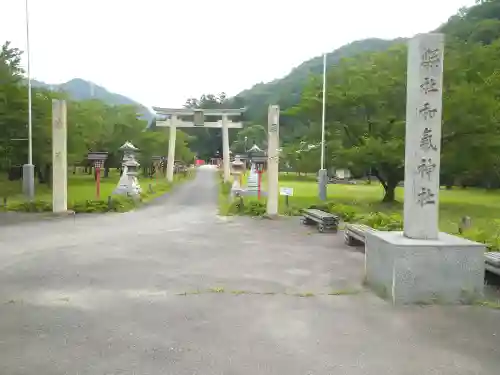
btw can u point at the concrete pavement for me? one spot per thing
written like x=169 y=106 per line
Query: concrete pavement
x=173 y=289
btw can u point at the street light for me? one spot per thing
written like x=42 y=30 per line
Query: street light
x=322 y=174
x=29 y=169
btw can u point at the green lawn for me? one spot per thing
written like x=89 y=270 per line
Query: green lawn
x=82 y=187
x=481 y=205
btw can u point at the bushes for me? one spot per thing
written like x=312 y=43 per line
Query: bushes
x=225 y=188
x=492 y=241
x=381 y=221
x=115 y=204
x=250 y=208
x=349 y=214
x=34 y=206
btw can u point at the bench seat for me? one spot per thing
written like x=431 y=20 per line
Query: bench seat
x=324 y=220
x=356 y=233
x=492 y=262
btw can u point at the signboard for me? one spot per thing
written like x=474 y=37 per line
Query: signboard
x=286 y=191
x=198 y=118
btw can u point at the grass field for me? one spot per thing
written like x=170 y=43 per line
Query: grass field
x=82 y=187
x=481 y=205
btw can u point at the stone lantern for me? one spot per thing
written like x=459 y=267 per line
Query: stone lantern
x=129 y=184
x=237 y=170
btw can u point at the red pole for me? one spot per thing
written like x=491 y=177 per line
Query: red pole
x=259 y=173
x=98 y=182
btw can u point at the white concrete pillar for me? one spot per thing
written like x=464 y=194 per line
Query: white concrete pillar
x=423 y=136
x=59 y=157
x=273 y=143
x=171 y=149
x=225 y=148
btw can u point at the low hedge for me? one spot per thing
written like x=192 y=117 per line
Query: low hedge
x=115 y=204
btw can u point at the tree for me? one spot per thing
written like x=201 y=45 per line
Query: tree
x=248 y=136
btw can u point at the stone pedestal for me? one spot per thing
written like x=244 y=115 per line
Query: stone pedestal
x=29 y=181
x=447 y=270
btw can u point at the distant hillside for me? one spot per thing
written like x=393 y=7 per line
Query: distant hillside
x=79 y=89
x=287 y=91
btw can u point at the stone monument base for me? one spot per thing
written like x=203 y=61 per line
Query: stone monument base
x=449 y=270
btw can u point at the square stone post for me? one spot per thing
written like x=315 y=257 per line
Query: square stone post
x=422 y=265
x=273 y=116
x=59 y=157
x=423 y=136
x=225 y=148
x=171 y=149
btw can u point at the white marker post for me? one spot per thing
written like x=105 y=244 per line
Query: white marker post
x=225 y=148
x=273 y=143
x=423 y=136
x=59 y=157
x=171 y=149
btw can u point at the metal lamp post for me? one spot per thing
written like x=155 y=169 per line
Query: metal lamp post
x=322 y=174
x=29 y=168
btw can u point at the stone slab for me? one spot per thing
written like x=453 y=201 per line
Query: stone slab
x=447 y=270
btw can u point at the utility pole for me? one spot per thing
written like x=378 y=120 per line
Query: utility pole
x=322 y=174
x=29 y=168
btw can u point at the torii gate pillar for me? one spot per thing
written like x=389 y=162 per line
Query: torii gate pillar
x=225 y=149
x=171 y=151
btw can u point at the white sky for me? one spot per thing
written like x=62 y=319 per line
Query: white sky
x=160 y=52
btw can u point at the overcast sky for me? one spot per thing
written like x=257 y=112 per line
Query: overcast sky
x=160 y=52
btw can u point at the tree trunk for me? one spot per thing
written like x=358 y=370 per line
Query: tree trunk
x=389 y=192
x=48 y=174
x=106 y=172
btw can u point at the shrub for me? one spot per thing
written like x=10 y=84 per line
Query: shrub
x=292 y=211
x=381 y=221
x=236 y=207
x=116 y=204
x=34 y=206
x=347 y=213
x=89 y=206
x=255 y=208
x=225 y=188
x=492 y=241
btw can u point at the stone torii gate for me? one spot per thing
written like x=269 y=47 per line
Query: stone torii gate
x=175 y=119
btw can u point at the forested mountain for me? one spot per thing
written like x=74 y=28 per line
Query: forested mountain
x=366 y=108
x=287 y=91
x=477 y=24
x=79 y=89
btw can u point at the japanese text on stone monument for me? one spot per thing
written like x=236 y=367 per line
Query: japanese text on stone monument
x=430 y=60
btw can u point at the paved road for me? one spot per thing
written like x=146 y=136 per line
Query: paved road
x=173 y=289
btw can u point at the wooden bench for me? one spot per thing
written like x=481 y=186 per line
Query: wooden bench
x=493 y=262
x=324 y=220
x=355 y=234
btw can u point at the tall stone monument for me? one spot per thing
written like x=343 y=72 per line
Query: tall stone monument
x=273 y=160
x=59 y=157
x=421 y=264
